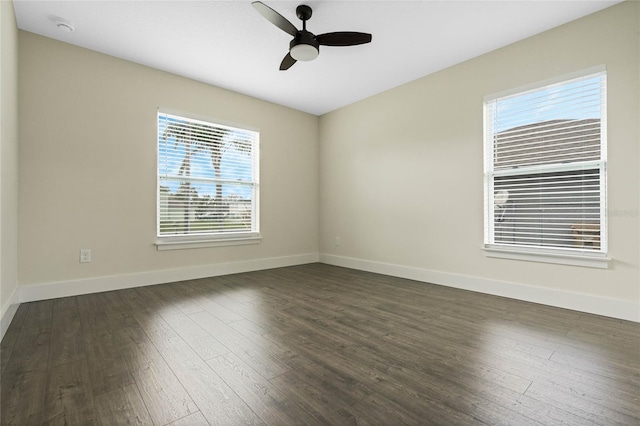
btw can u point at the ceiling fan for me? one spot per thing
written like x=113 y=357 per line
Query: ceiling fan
x=305 y=45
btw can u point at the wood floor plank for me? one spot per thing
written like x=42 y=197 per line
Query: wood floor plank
x=271 y=315
x=22 y=397
x=277 y=345
x=625 y=343
x=590 y=411
x=176 y=294
x=207 y=299
x=324 y=405
x=268 y=365
x=400 y=359
x=131 y=335
x=438 y=384
x=34 y=340
x=244 y=310
x=122 y=406
x=216 y=401
x=219 y=404
x=375 y=407
x=195 y=419
x=108 y=369
x=621 y=373
x=315 y=344
x=427 y=394
x=149 y=312
x=320 y=370
x=512 y=362
x=69 y=399
x=11 y=336
x=145 y=299
x=532 y=408
x=161 y=391
x=244 y=290
x=249 y=329
x=67 y=342
x=558 y=342
x=319 y=331
x=219 y=311
x=203 y=343
x=516 y=341
x=266 y=400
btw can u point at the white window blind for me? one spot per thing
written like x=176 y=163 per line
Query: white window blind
x=545 y=167
x=207 y=179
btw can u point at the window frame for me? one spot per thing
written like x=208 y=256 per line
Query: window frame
x=203 y=240
x=570 y=256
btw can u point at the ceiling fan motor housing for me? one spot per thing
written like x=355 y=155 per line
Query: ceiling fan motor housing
x=304 y=47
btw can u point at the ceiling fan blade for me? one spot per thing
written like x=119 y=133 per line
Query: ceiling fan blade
x=275 y=18
x=343 y=38
x=287 y=62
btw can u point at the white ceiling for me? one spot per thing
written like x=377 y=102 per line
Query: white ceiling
x=230 y=45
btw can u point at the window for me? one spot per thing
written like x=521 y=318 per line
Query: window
x=545 y=169
x=207 y=183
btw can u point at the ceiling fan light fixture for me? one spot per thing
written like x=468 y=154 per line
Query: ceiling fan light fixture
x=304 y=52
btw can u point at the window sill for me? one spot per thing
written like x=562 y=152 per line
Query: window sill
x=177 y=243
x=595 y=260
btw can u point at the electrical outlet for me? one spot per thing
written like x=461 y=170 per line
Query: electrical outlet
x=85 y=255
x=336 y=241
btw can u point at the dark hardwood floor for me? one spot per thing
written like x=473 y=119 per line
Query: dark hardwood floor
x=315 y=344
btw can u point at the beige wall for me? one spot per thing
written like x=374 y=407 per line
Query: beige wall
x=401 y=173
x=88 y=167
x=8 y=155
x=397 y=177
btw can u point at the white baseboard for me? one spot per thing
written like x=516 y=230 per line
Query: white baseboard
x=54 y=290
x=8 y=311
x=615 y=308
